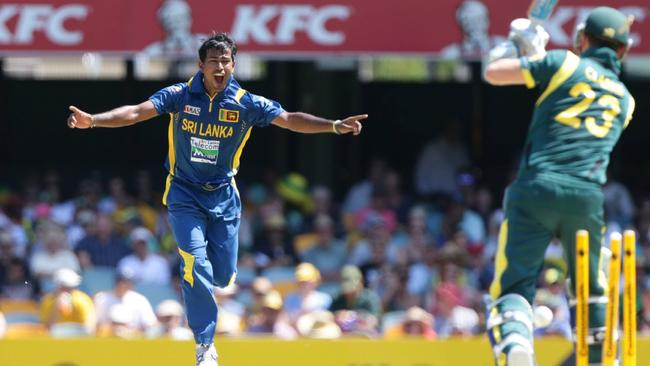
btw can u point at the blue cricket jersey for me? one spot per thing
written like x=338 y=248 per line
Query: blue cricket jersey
x=207 y=135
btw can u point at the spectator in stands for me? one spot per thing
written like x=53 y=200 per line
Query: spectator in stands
x=318 y=324
x=147 y=267
x=11 y=218
x=78 y=230
x=274 y=248
x=294 y=190
x=396 y=200
x=67 y=304
x=102 y=247
x=360 y=194
x=307 y=299
x=328 y=254
x=17 y=283
x=170 y=322
x=120 y=324
x=271 y=319
x=440 y=161
x=619 y=206
x=457 y=217
x=354 y=296
x=259 y=288
x=117 y=199
x=417 y=323
x=55 y=254
x=231 y=311
x=321 y=196
x=140 y=313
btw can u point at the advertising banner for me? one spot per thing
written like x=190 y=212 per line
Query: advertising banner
x=444 y=28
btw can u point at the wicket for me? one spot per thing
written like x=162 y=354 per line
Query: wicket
x=628 y=348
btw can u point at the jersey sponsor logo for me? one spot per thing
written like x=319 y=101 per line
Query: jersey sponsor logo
x=227 y=115
x=204 y=151
x=190 y=109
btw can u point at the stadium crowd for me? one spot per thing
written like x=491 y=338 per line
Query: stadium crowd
x=381 y=262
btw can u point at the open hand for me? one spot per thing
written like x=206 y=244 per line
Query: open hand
x=79 y=118
x=350 y=124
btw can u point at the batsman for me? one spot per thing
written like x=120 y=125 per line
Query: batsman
x=579 y=116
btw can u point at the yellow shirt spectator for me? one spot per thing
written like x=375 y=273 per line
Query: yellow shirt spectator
x=67 y=304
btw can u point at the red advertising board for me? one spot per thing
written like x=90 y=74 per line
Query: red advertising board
x=290 y=27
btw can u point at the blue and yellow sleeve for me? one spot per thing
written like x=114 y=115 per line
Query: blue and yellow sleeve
x=167 y=100
x=261 y=111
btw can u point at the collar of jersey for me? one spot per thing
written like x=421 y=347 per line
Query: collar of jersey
x=604 y=56
x=196 y=84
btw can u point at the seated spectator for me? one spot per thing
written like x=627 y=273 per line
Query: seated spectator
x=259 y=288
x=271 y=319
x=231 y=311
x=102 y=246
x=140 y=314
x=67 y=304
x=307 y=299
x=417 y=323
x=274 y=248
x=120 y=324
x=318 y=325
x=360 y=194
x=354 y=296
x=170 y=322
x=17 y=283
x=147 y=267
x=328 y=254
x=55 y=254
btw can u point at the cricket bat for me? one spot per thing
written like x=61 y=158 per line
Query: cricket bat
x=540 y=10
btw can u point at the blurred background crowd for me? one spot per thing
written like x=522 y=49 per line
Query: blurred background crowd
x=381 y=261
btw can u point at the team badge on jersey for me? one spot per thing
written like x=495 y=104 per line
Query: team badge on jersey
x=226 y=115
x=190 y=109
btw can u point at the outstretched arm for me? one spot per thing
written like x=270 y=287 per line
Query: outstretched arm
x=119 y=117
x=307 y=123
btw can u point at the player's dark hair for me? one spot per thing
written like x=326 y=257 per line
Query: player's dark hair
x=597 y=42
x=220 y=42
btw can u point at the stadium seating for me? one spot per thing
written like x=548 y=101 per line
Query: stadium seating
x=156 y=293
x=391 y=319
x=97 y=279
x=68 y=330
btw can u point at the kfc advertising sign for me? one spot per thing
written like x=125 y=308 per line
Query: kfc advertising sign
x=172 y=28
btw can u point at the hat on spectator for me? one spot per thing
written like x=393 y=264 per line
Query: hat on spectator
x=140 y=234
x=262 y=285
x=169 y=308
x=294 y=188
x=351 y=278
x=318 y=324
x=65 y=277
x=464 y=320
x=307 y=272
x=416 y=314
x=272 y=300
x=125 y=274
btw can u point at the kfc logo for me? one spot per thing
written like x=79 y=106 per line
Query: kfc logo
x=31 y=19
x=252 y=24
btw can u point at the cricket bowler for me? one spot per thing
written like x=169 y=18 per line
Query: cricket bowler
x=579 y=116
x=211 y=118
